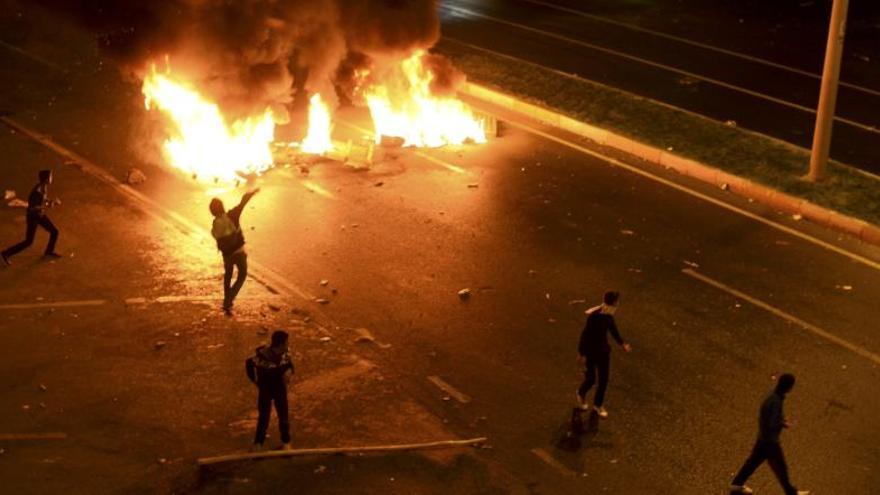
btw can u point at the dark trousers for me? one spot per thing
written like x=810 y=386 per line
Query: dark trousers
x=601 y=363
x=772 y=453
x=32 y=222
x=234 y=260
x=266 y=397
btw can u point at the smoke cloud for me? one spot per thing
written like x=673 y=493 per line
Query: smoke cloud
x=250 y=54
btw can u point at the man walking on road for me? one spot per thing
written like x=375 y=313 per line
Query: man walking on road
x=771 y=421
x=230 y=241
x=270 y=370
x=38 y=202
x=595 y=352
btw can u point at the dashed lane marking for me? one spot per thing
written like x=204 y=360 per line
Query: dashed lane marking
x=668 y=68
x=449 y=389
x=551 y=461
x=856 y=349
x=56 y=304
x=644 y=173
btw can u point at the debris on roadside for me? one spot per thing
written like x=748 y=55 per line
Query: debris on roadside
x=627 y=232
x=321 y=300
x=43 y=387
x=324 y=339
x=843 y=287
x=320 y=469
x=160 y=344
x=324 y=282
x=274 y=307
x=379 y=184
x=17 y=203
x=797 y=216
x=690 y=264
x=730 y=123
x=8 y=194
x=725 y=187
x=464 y=294
x=135 y=176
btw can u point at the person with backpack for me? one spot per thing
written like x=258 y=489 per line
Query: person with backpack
x=270 y=370
x=230 y=241
x=595 y=353
x=38 y=203
x=771 y=422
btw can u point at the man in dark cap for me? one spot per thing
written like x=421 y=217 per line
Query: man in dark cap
x=771 y=421
x=270 y=370
x=226 y=230
x=595 y=353
x=38 y=202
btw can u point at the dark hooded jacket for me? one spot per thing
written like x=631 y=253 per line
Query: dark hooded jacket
x=267 y=367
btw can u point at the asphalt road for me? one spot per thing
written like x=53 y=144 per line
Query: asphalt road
x=547 y=228
x=757 y=66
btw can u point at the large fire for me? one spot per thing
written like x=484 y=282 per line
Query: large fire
x=404 y=107
x=203 y=144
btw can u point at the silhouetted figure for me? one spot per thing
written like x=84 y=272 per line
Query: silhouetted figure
x=230 y=241
x=270 y=370
x=771 y=421
x=38 y=203
x=595 y=352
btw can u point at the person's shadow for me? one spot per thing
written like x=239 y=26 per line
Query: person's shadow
x=577 y=431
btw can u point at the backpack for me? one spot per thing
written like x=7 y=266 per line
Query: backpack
x=228 y=235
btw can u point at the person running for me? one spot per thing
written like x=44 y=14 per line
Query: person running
x=226 y=229
x=771 y=421
x=38 y=203
x=595 y=352
x=270 y=370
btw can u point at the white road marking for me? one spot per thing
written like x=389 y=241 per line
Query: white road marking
x=705 y=46
x=32 y=436
x=449 y=389
x=669 y=68
x=856 y=349
x=788 y=230
x=56 y=304
x=551 y=461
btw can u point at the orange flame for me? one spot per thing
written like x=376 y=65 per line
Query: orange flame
x=405 y=108
x=202 y=144
x=317 y=140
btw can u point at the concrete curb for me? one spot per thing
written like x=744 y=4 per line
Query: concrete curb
x=786 y=203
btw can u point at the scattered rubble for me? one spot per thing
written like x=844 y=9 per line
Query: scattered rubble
x=17 y=203
x=324 y=339
x=321 y=300
x=464 y=294
x=8 y=194
x=730 y=123
x=797 y=216
x=627 y=232
x=690 y=264
x=725 y=187
x=324 y=282
x=135 y=176
x=274 y=307
x=160 y=344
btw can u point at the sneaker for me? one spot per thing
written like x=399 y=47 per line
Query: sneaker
x=52 y=255
x=803 y=492
x=256 y=447
x=740 y=489
x=580 y=402
x=601 y=412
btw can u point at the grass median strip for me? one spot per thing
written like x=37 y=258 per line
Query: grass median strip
x=735 y=150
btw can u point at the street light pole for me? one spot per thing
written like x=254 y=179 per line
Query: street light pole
x=828 y=93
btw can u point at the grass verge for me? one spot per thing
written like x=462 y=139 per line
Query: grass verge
x=745 y=153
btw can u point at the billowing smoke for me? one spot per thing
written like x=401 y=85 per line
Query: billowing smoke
x=250 y=54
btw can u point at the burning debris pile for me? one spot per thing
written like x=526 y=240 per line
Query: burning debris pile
x=223 y=74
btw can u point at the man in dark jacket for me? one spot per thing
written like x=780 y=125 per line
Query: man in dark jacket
x=226 y=229
x=38 y=202
x=270 y=370
x=594 y=351
x=771 y=421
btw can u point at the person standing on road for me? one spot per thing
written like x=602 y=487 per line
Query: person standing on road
x=595 y=352
x=771 y=421
x=270 y=370
x=230 y=241
x=38 y=203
